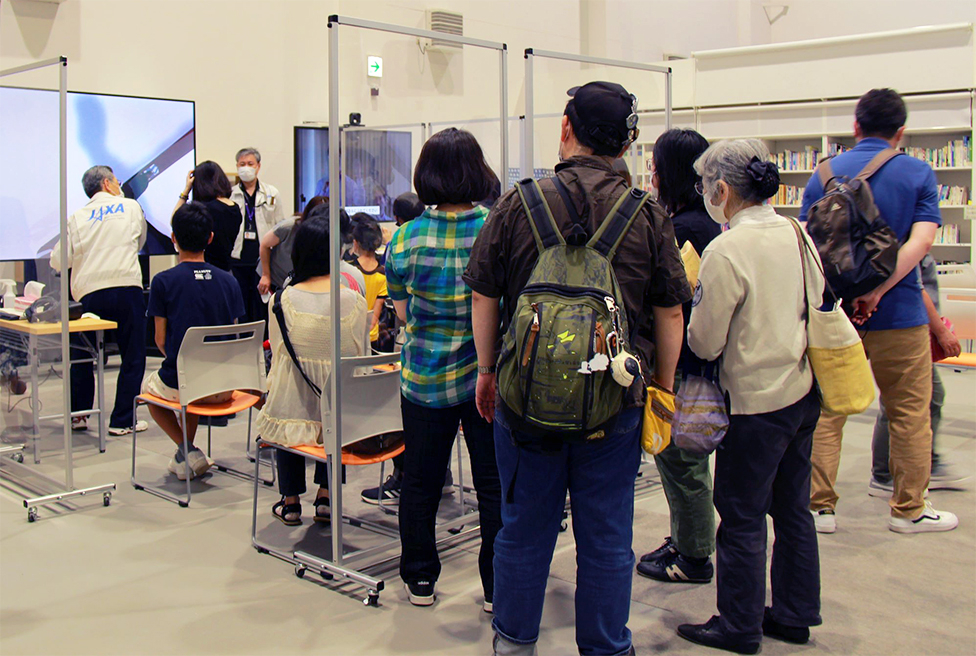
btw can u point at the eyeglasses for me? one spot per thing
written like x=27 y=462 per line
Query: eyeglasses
x=700 y=188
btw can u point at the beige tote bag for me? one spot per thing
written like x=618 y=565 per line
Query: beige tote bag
x=835 y=351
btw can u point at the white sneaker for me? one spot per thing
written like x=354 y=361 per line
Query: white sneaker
x=178 y=469
x=931 y=520
x=79 y=424
x=824 y=521
x=141 y=426
x=945 y=478
x=881 y=490
x=199 y=462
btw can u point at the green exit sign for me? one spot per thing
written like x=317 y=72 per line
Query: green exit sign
x=374 y=66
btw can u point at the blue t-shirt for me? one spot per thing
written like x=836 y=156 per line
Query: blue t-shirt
x=905 y=192
x=192 y=294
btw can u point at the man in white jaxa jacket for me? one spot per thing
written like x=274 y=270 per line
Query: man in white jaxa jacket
x=104 y=239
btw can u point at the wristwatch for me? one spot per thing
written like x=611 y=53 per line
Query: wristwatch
x=185 y=196
x=486 y=370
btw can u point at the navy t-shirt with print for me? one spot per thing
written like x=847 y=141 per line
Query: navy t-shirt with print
x=188 y=295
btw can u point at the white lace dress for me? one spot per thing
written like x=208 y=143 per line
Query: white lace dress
x=292 y=415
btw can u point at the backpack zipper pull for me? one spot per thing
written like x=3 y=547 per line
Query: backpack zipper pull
x=533 y=335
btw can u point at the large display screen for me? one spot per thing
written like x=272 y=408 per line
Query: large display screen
x=148 y=142
x=378 y=163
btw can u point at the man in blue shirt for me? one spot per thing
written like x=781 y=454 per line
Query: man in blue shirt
x=893 y=322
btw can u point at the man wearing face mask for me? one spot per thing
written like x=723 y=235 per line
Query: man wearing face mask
x=261 y=210
x=598 y=470
x=104 y=239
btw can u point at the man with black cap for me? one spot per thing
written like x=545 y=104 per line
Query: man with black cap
x=598 y=471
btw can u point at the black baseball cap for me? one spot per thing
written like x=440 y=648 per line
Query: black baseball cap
x=607 y=112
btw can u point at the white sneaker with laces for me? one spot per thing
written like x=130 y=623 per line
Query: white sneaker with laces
x=178 y=469
x=824 y=521
x=141 y=426
x=930 y=521
x=199 y=462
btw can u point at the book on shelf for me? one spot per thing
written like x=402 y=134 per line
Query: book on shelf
x=956 y=153
x=953 y=195
x=788 y=195
x=790 y=160
x=947 y=234
x=836 y=148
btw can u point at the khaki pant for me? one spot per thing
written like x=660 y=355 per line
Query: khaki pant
x=901 y=361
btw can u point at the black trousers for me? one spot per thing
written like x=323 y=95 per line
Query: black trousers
x=428 y=435
x=247 y=278
x=127 y=307
x=763 y=467
x=291 y=474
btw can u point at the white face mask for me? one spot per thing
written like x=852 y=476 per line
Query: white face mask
x=247 y=173
x=717 y=212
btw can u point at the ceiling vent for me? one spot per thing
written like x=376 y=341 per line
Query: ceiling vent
x=448 y=22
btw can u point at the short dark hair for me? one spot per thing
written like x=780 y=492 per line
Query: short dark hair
x=210 y=182
x=192 y=227
x=321 y=212
x=407 y=207
x=675 y=153
x=584 y=138
x=367 y=232
x=880 y=113
x=310 y=254
x=312 y=203
x=452 y=169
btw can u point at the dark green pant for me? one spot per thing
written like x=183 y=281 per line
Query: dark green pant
x=687 y=484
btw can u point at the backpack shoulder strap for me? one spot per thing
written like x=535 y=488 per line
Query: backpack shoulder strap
x=544 y=227
x=618 y=222
x=877 y=162
x=825 y=172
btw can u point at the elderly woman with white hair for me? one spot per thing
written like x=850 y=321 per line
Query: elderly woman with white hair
x=749 y=310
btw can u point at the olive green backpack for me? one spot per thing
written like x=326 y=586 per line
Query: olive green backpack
x=550 y=377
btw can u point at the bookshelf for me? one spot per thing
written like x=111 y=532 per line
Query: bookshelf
x=799 y=135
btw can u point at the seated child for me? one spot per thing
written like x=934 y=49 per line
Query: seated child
x=292 y=415
x=193 y=293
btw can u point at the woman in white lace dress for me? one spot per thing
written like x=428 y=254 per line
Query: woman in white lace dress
x=292 y=414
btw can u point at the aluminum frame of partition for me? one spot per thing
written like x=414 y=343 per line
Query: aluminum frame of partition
x=528 y=148
x=16 y=453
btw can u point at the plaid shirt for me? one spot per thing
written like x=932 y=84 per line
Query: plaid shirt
x=424 y=263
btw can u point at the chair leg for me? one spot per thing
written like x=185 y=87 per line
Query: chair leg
x=186 y=457
x=159 y=492
x=209 y=433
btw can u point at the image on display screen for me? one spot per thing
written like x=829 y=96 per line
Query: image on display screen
x=378 y=162
x=149 y=143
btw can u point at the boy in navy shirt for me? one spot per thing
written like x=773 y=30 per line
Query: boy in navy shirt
x=193 y=293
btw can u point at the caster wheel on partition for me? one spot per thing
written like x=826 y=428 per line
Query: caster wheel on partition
x=107 y=500
x=455 y=531
x=300 y=571
x=268 y=483
x=563 y=526
x=184 y=504
x=373 y=600
x=19 y=458
x=138 y=487
x=326 y=576
x=260 y=550
x=32 y=514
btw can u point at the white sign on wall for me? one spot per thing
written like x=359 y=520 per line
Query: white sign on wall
x=374 y=66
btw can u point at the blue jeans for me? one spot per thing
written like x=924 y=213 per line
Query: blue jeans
x=599 y=476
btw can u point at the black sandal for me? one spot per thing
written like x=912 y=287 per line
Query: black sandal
x=323 y=517
x=282 y=510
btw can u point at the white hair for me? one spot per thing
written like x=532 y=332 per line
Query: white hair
x=243 y=152
x=93 y=178
x=729 y=161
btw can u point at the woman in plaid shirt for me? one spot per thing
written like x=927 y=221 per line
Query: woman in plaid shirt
x=424 y=264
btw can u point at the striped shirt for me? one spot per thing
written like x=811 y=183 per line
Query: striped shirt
x=424 y=263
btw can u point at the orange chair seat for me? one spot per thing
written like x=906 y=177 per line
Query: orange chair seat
x=962 y=360
x=351 y=459
x=238 y=402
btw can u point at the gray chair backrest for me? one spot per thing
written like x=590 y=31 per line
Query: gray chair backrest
x=216 y=359
x=370 y=400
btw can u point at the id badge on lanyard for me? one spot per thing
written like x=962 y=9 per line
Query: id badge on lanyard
x=250 y=226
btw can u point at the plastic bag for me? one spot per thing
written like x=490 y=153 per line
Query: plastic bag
x=700 y=420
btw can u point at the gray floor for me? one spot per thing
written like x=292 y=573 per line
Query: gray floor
x=144 y=576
